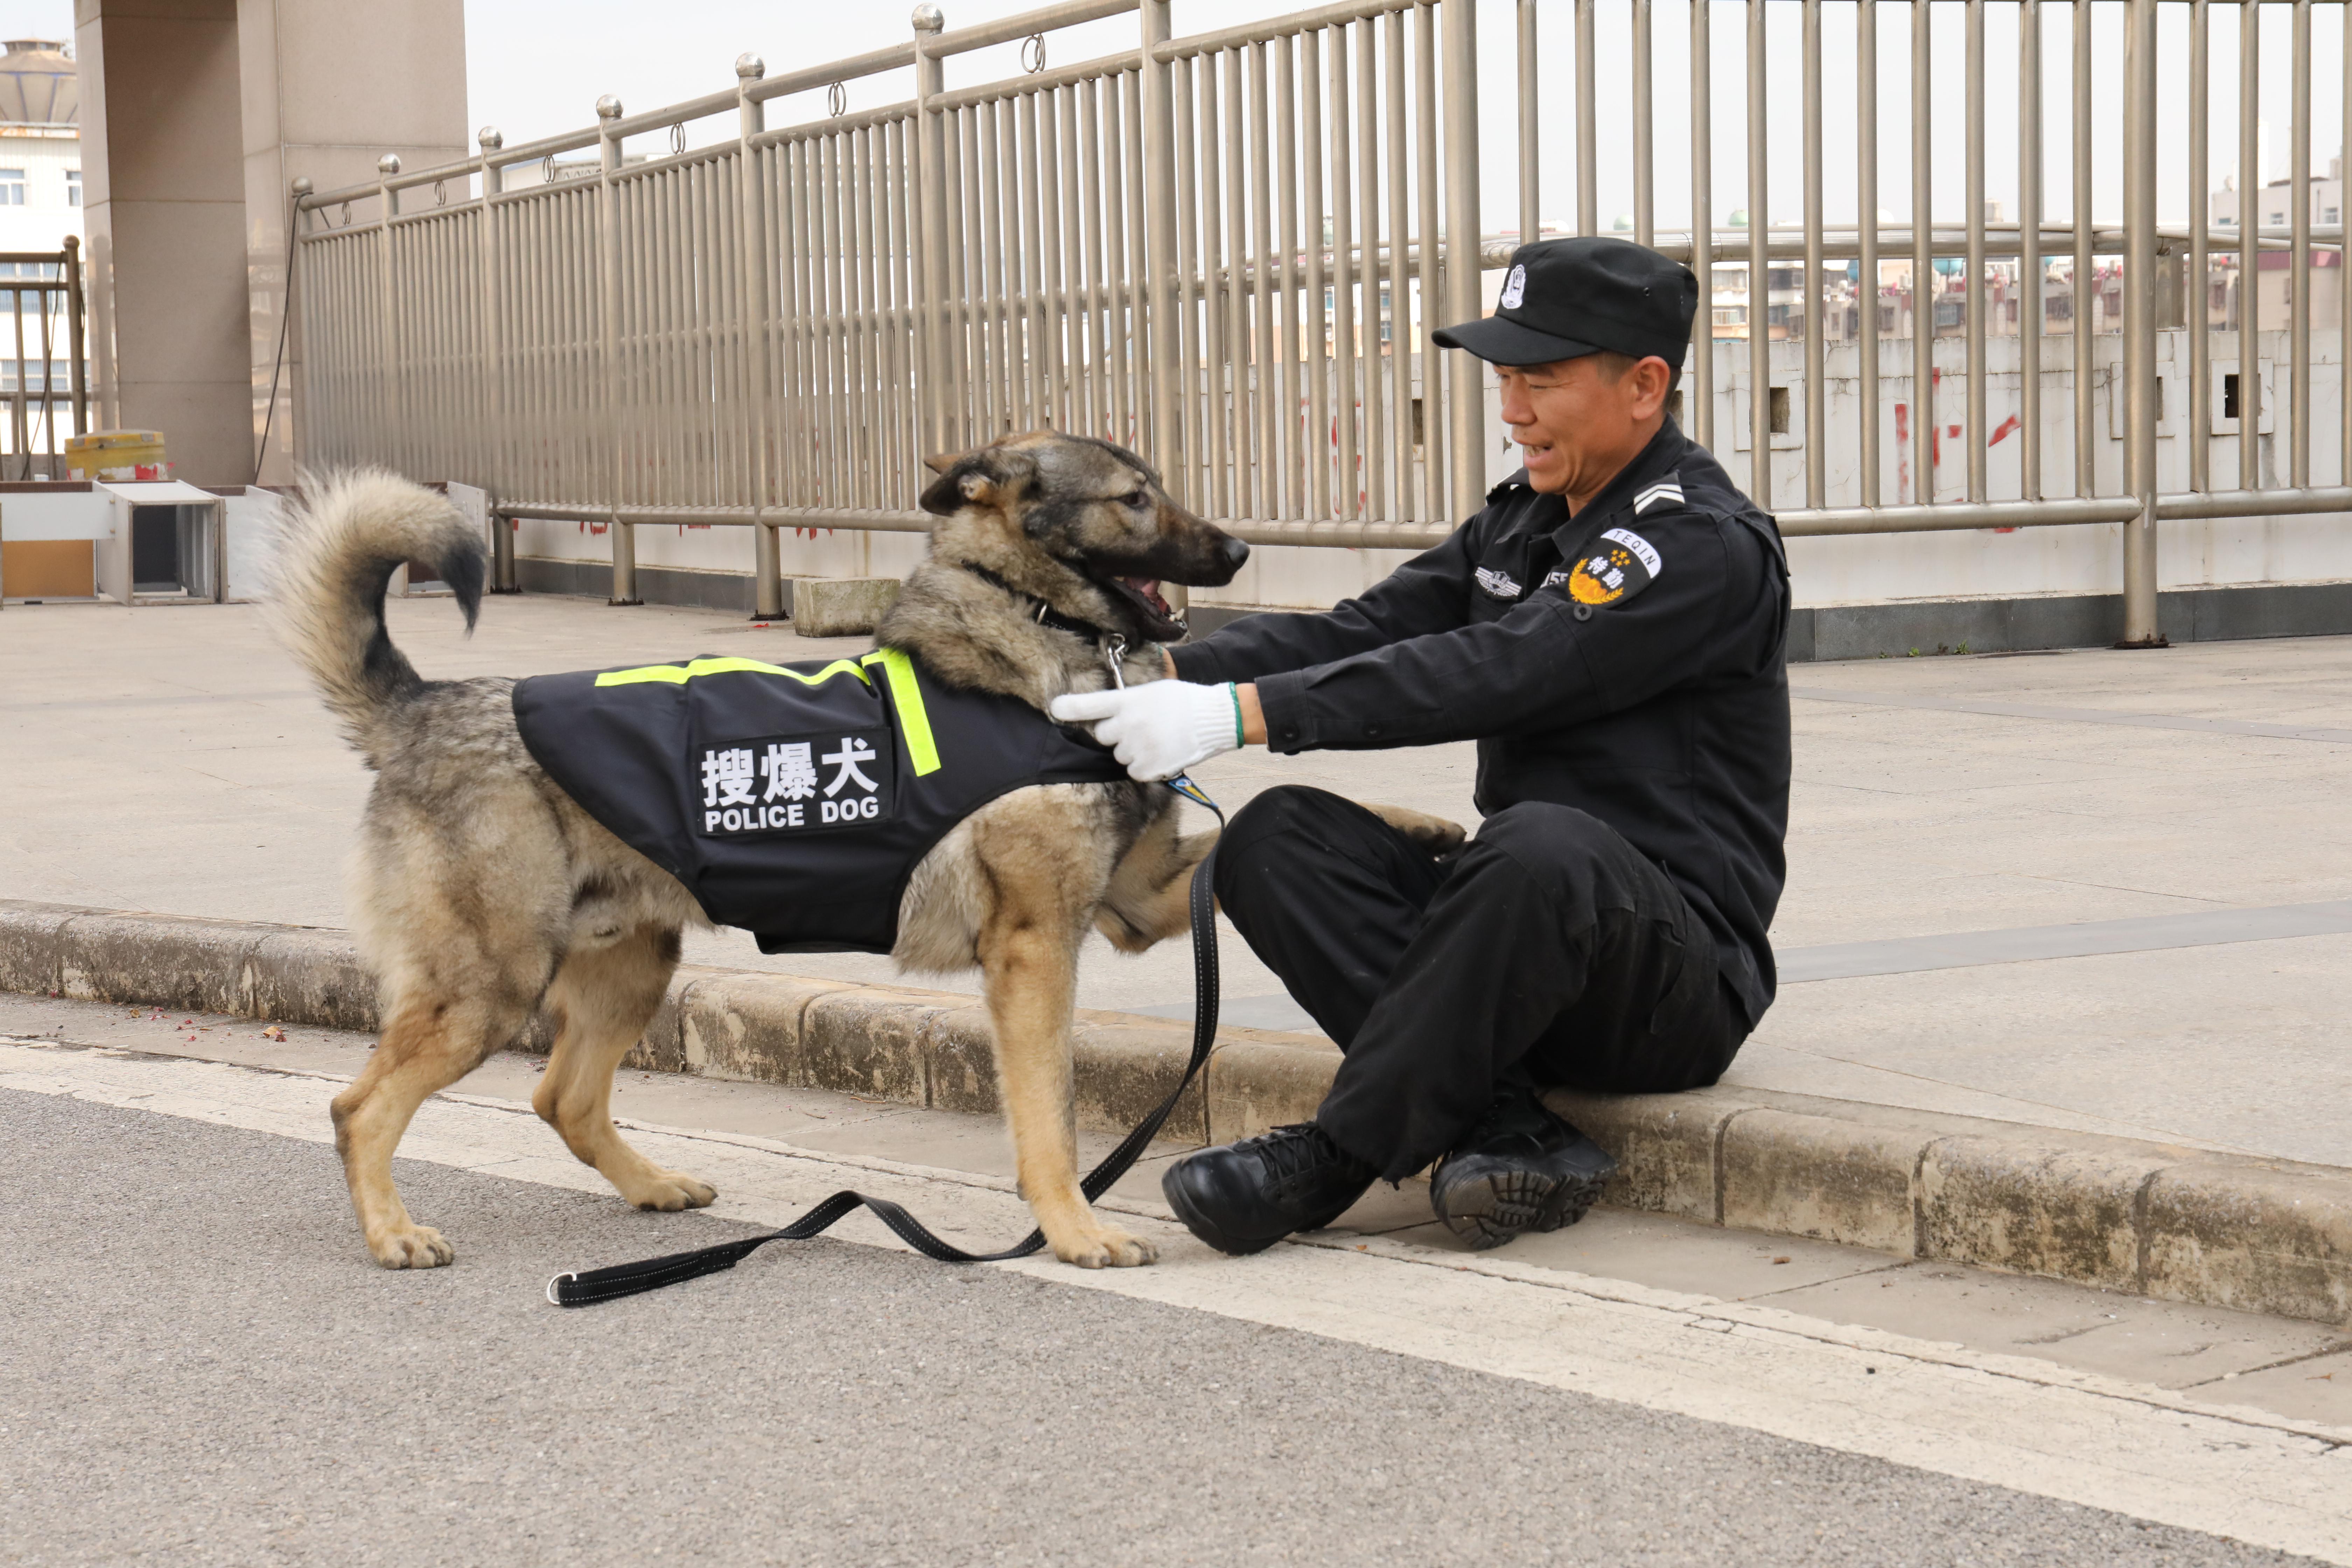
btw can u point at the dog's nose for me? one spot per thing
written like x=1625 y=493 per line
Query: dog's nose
x=1233 y=552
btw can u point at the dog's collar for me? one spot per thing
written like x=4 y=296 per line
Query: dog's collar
x=1045 y=615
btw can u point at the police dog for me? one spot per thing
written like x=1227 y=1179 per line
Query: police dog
x=483 y=894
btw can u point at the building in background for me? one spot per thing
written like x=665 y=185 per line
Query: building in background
x=2274 y=292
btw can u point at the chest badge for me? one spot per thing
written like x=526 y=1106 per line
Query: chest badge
x=1620 y=565
x=1499 y=585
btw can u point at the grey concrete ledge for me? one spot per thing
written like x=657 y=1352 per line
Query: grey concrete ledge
x=2181 y=1224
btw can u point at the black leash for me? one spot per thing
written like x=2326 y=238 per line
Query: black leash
x=585 y=1290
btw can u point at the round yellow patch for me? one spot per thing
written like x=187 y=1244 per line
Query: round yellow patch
x=1602 y=577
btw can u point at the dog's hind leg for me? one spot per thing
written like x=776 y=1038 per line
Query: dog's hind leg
x=603 y=998
x=430 y=1040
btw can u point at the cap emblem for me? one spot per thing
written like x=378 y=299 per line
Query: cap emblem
x=1514 y=289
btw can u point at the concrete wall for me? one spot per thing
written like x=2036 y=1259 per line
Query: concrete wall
x=197 y=116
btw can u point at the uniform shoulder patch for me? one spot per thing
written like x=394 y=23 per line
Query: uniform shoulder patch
x=1620 y=565
x=1664 y=492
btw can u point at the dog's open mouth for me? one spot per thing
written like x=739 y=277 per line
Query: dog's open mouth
x=1158 y=617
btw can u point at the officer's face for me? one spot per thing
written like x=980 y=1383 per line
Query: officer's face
x=1579 y=421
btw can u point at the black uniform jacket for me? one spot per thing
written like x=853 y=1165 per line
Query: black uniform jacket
x=792 y=800
x=1627 y=662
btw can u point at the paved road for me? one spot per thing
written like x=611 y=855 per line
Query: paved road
x=197 y=1365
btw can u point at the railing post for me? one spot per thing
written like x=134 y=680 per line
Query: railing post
x=608 y=222
x=387 y=315
x=1760 y=271
x=2139 y=321
x=494 y=363
x=74 y=331
x=931 y=201
x=1465 y=401
x=767 y=567
x=1159 y=293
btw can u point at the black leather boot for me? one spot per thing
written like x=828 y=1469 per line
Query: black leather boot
x=1246 y=1196
x=1521 y=1169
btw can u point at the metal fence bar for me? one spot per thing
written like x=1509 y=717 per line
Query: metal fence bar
x=2250 y=184
x=1530 y=123
x=2299 y=269
x=1464 y=382
x=1319 y=415
x=1588 y=138
x=1816 y=327
x=1266 y=356
x=1347 y=488
x=1431 y=424
x=2033 y=315
x=2139 y=321
x=608 y=163
x=1924 y=447
x=1646 y=196
x=1289 y=354
x=2084 y=298
x=1367 y=205
x=1973 y=52
x=1700 y=404
x=2195 y=286
x=1870 y=290
x=1400 y=273
x=1760 y=277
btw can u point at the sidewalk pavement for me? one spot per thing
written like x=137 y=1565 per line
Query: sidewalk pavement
x=2106 y=893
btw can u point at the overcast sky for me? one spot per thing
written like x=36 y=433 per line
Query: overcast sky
x=535 y=68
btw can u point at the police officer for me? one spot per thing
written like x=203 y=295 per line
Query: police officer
x=1610 y=630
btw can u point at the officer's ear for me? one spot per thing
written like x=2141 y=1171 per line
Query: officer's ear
x=985 y=475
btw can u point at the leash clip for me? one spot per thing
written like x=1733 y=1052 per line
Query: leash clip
x=1114 y=650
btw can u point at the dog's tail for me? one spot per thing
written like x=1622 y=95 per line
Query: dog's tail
x=337 y=549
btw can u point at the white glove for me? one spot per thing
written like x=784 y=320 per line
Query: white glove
x=1159 y=729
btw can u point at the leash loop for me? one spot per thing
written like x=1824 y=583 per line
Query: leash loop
x=586 y=1287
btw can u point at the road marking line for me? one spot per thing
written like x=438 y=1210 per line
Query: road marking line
x=2006 y=1421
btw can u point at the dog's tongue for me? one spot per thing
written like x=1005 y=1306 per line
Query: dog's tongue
x=1149 y=587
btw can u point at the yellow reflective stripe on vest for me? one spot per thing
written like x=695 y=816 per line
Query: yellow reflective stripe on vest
x=907 y=697
x=679 y=674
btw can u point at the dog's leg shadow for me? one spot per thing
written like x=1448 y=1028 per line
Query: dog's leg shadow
x=601 y=999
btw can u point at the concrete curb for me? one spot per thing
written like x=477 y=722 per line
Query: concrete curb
x=2185 y=1225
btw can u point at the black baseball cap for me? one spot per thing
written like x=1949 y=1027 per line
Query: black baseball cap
x=1565 y=298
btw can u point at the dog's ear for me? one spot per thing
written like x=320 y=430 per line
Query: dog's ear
x=986 y=476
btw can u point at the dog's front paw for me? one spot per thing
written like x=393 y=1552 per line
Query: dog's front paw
x=671 y=1191
x=1107 y=1249
x=411 y=1247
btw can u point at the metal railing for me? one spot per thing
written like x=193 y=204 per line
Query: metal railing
x=1224 y=249
x=44 y=366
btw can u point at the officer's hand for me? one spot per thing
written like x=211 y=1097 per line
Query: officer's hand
x=1159 y=729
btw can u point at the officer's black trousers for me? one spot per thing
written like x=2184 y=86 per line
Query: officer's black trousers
x=1546 y=952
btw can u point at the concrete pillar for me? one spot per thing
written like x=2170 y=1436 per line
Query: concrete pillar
x=166 y=220
x=197 y=115
x=331 y=85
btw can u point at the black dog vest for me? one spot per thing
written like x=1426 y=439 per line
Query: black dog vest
x=792 y=800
